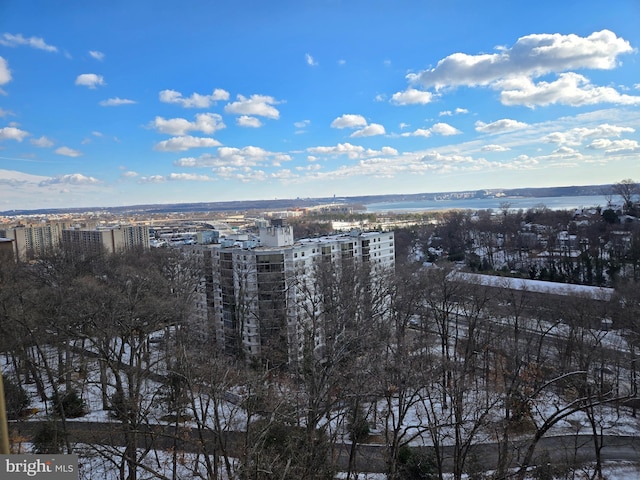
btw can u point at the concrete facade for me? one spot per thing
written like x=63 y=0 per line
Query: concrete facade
x=106 y=240
x=258 y=299
x=7 y=253
x=31 y=241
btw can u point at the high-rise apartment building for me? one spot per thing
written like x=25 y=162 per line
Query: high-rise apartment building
x=38 y=239
x=105 y=240
x=256 y=301
x=6 y=250
x=30 y=241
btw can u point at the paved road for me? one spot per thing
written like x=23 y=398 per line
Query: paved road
x=566 y=449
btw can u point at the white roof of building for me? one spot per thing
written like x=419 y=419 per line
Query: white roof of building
x=323 y=240
x=338 y=237
x=538 y=286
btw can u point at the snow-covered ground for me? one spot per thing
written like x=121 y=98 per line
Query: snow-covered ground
x=612 y=420
x=611 y=471
x=90 y=388
x=189 y=466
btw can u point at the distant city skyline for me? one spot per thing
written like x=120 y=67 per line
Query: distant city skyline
x=162 y=102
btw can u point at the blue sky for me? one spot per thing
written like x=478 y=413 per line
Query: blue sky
x=129 y=102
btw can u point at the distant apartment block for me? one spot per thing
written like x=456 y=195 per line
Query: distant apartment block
x=7 y=253
x=255 y=303
x=31 y=241
x=106 y=239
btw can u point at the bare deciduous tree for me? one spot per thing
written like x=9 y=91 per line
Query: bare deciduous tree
x=628 y=190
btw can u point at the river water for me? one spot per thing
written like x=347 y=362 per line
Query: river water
x=554 y=203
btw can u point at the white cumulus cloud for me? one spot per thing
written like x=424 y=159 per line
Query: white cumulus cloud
x=10 y=40
x=189 y=177
x=42 y=142
x=565 y=152
x=615 y=146
x=153 y=179
x=310 y=60
x=196 y=100
x=619 y=147
x=457 y=111
x=499 y=126
x=514 y=71
x=411 y=96
x=576 y=136
x=494 y=148
x=68 y=152
x=13 y=178
x=175 y=177
x=5 y=73
x=116 y=102
x=70 y=179
x=12 y=133
x=569 y=89
x=353 y=152
x=255 y=105
x=445 y=129
x=206 y=123
x=186 y=142
x=96 y=54
x=369 y=131
x=90 y=80
x=604 y=129
x=234 y=158
x=420 y=132
x=349 y=120
x=531 y=56
x=247 y=121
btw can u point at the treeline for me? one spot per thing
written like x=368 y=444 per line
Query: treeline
x=595 y=248
x=400 y=359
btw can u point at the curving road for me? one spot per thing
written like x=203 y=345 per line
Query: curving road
x=565 y=449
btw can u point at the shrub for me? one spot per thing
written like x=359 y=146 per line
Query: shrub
x=16 y=399
x=415 y=464
x=358 y=426
x=119 y=407
x=279 y=447
x=69 y=405
x=48 y=439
